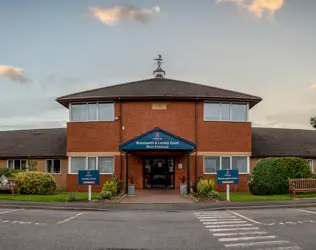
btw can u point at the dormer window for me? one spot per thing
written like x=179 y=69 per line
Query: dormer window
x=99 y=111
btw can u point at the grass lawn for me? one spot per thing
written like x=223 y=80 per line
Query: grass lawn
x=240 y=197
x=47 y=198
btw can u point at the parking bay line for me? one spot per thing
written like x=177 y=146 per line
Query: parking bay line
x=306 y=211
x=11 y=211
x=69 y=219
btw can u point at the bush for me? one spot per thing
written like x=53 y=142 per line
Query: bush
x=205 y=186
x=196 y=181
x=105 y=195
x=72 y=197
x=214 y=194
x=270 y=176
x=114 y=186
x=8 y=172
x=36 y=183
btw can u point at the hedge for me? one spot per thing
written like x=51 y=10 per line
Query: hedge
x=270 y=176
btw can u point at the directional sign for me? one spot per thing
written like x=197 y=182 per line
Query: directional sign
x=88 y=177
x=227 y=176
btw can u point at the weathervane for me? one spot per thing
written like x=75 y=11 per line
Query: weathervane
x=159 y=72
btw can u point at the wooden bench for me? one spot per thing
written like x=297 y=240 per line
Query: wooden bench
x=11 y=186
x=301 y=186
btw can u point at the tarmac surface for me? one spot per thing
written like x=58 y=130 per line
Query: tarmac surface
x=279 y=229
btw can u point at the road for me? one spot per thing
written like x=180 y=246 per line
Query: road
x=278 y=229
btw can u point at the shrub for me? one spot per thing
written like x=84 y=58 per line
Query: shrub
x=114 y=186
x=8 y=172
x=196 y=181
x=72 y=197
x=105 y=195
x=205 y=186
x=270 y=176
x=214 y=194
x=36 y=183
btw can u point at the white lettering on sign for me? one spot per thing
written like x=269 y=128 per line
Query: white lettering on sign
x=157 y=144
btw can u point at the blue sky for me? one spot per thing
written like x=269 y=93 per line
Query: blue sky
x=260 y=47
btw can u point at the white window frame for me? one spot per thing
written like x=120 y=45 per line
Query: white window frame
x=53 y=166
x=97 y=163
x=26 y=161
x=230 y=111
x=312 y=165
x=97 y=110
x=231 y=161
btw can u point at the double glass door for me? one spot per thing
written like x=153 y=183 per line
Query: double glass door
x=158 y=172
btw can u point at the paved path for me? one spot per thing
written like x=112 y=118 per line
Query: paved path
x=269 y=229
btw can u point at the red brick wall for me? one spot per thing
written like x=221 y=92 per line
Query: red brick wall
x=178 y=118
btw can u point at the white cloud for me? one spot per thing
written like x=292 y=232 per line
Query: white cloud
x=258 y=7
x=111 y=16
x=15 y=74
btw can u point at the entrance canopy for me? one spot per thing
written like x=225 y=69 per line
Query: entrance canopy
x=157 y=140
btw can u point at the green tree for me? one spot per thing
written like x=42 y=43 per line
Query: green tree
x=313 y=122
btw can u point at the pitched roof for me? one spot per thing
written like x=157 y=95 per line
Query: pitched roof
x=283 y=142
x=159 y=88
x=33 y=143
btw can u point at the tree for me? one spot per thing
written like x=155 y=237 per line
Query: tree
x=313 y=122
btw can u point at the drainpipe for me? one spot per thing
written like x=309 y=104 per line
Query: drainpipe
x=121 y=140
x=196 y=138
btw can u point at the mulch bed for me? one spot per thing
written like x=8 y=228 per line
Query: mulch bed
x=205 y=199
x=113 y=200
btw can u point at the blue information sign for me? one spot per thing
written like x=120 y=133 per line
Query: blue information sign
x=227 y=176
x=88 y=177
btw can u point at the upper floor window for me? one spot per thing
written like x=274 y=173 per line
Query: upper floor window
x=225 y=111
x=101 y=111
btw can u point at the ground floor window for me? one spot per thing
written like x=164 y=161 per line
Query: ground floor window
x=104 y=164
x=310 y=163
x=17 y=164
x=213 y=163
x=53 y=166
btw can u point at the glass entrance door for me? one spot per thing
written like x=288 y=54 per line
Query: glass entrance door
x=158 y=172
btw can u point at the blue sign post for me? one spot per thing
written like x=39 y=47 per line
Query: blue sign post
x=89 y=177
x=227 y=177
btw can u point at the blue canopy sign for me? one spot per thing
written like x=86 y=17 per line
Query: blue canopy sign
x=88 y=177
x=227 y=176
x=158 y=139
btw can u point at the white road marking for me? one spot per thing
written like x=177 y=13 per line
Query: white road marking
x=224 y=222
x=233 y=229
x=39 y=224
x=24 y=222
x=234 y=234
x=4 y=221
x=306 y=211
x=248 y=238
x=11 y=211
x=244 y=217
x=282 y=248
x=240 y=225
x=256 y=243
x=228 y=219
x=224 y=212
x=69 y=219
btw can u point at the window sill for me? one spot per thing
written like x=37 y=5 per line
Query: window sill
x=53 y=173
x=93 y=121
x=100 y=174
x=215 y=173
x=224 y=121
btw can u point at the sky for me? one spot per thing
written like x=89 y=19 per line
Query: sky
x=260 y=47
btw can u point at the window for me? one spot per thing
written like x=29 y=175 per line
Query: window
x=104 y=164
x=310 y=163
x=53 y=166
x=213 y=163
x=92 y=112
x=225 y=111
x=17 y=164
x=106 y=112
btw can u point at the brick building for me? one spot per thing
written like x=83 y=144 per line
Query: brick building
x=157 y=132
